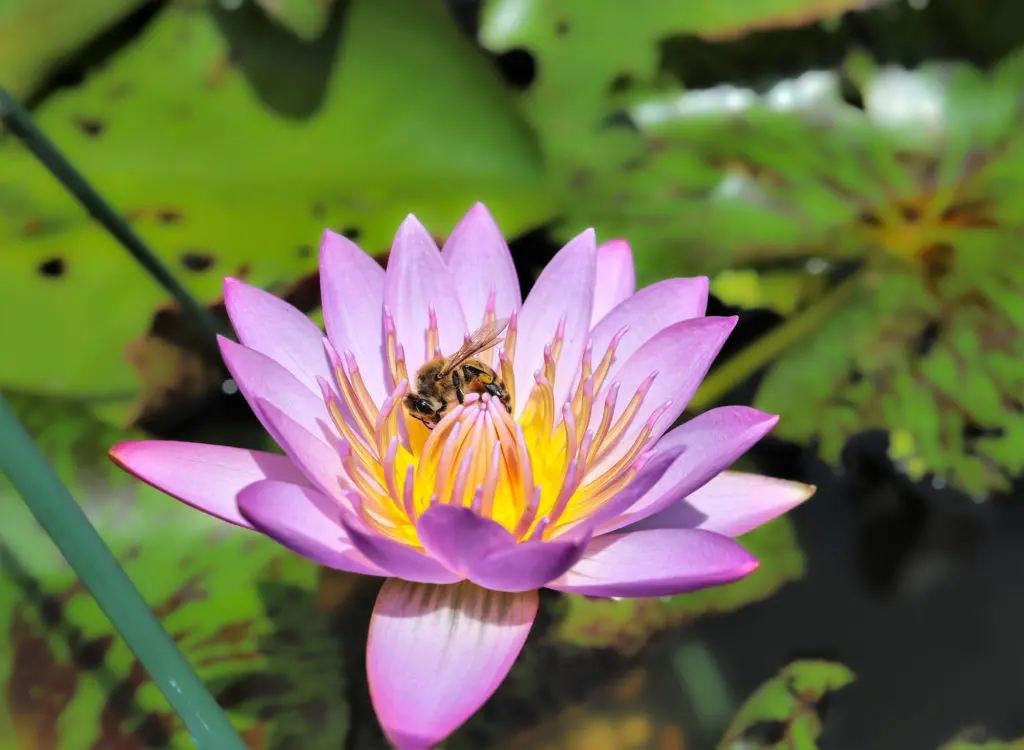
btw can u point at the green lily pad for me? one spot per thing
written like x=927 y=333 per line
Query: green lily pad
x=975 y=739
x=36 y=35
x=230 y=145
x=783 y=712
x=593 y=58
x=627 y=624
x=306 y=18
x=239 y=606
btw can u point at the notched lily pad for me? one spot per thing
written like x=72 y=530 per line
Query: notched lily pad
x=627 y=624
x=230 y=165
x=785 y=712
x=241 y=609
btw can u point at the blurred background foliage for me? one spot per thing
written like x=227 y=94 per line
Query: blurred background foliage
x=848 y=172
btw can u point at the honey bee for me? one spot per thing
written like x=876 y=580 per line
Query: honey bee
x=444 y=382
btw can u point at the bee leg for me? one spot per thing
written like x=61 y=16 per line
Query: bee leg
x=457 y=382
x=492 y=388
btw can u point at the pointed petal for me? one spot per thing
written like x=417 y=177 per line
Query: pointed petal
x=648 y=312
x=487 y=554
x=304 y=521
x=398 y=559
x=731 y=504
x=437 y=653
x=418 y=280
x=319 y=460
x=616 y=277
x=352 y=294
x=261 y=378
x=657 y=562
x=480 y=263
x=709 y=443
x=270 y=326
x=207 y=477
x=564 y=291
x=681 y=356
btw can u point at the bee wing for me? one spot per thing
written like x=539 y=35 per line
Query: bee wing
x=482 y=339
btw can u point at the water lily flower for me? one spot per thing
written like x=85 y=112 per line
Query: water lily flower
x=580 y=487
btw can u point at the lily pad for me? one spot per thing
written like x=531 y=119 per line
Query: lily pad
x=921 y=191
x=36 y=35
x=592 y=58
x=627 y=624
x=784 y=712
x=240 y=607
x=305 y=18
x=230 y=145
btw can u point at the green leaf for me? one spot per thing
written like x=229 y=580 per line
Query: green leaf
x=36 y=35
x=627 y=624
x=240 y=607
x=306 y=18
x=594 y=58
x=930 y=347
x=783 y=712
x=231 y=145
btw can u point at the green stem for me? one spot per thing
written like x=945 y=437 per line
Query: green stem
x=20 y=123
x=69 y=528
x=768 y=347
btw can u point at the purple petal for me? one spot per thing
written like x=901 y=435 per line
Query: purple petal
x=481 y=265
x=207 y=477
x=486 y=553
x=681 y=356
x=731 y=504
x=649 y=476
x=646 y=313
x=270 y=326
x=304 y=521
x=437 y=653
x=319 y=460
x=657 y=562
x=352 y=292
x=418 y=280
x=616 y=277
x=261 y=378
x=397 y=558
x=563 y=292
x=710 y=443
x=458 y=537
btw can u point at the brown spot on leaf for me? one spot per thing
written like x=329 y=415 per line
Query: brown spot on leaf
x=39 y=686
x=53 y=268
x=197 y=260
x=352 y=232
x=562 y=27
x=89 y=126
x=33 y=226
x=169 y=215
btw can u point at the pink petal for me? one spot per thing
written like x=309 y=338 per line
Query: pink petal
x=481 y=265
x=616 y=277
x=319 y=460
x=207 y=477
x=261 y=378
x=304 y=521
x=731 y=504
x=418 y=280
x=270 y=326
x=437 y=653
x=646 y=313
x=681 y=356
x=487 y=554
x=564 y=292
x=709 y=443
x=657 y=562
x=397 y=558
x=352 y=295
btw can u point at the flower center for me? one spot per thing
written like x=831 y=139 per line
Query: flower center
x=537 y=475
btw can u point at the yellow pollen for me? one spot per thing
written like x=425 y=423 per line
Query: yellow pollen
x=537 y=474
